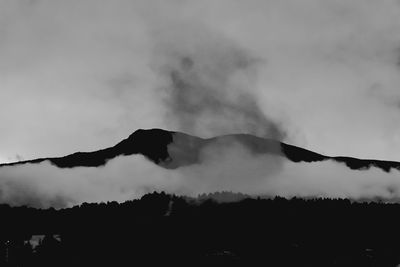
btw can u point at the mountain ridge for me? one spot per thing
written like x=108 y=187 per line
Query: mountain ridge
x=160 y=146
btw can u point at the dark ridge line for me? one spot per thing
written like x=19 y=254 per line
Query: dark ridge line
x=298 y=154
x=152 y=143
x=365 y=164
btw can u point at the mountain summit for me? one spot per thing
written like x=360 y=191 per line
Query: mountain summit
x=171 y=150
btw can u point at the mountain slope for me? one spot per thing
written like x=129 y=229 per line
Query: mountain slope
x=174 y=149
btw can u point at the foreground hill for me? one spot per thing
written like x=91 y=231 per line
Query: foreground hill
x=166 y=230
x=175 y=149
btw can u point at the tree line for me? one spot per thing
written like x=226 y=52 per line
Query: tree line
x=167 y=229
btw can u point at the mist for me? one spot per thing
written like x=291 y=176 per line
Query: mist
x=220 y=167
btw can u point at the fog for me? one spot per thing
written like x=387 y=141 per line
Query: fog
x=224 y=167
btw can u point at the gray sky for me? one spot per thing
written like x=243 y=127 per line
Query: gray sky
x=82 y=75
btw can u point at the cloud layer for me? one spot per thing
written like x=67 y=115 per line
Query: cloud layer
x=221 y=167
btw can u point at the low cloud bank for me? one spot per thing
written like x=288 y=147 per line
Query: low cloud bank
x=221 y=168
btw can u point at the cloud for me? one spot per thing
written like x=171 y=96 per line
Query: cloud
x=209 y=83
x=72 y=71
x=90 y=72
x=44 y=185
x=334 y=180
x=227 y=165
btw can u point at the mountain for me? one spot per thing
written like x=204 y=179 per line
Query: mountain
x=171 y=150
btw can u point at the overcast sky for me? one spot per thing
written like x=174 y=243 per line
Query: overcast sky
x=83 y=75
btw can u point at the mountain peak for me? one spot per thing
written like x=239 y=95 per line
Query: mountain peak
x=154 y=132
x=151 y=143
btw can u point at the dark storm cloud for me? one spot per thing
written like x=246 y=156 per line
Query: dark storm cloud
x=191 y=99
x=211 y=84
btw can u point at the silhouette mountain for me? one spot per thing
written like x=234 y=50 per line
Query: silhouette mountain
x=171 y=150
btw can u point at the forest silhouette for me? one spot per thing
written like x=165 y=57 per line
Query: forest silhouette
x=172 y=230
